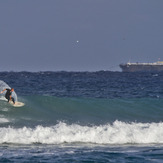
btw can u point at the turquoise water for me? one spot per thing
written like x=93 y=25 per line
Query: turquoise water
x=82 y=117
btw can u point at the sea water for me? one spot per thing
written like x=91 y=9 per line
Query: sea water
x=90 y=117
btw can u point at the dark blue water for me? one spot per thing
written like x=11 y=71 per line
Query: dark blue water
x=82 y=117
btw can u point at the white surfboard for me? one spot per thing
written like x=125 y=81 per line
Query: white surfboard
x=17 y=104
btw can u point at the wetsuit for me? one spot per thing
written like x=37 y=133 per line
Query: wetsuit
x=8 y=94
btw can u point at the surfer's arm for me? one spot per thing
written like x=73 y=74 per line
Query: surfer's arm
x=3 y=90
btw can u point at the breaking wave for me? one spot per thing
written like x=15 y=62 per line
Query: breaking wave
x=116 y=133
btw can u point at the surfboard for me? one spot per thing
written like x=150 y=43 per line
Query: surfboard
x=17 y=104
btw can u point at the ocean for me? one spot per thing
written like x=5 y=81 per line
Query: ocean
x=82 y=117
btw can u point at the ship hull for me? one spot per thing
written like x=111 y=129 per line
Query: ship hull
x=141 y=68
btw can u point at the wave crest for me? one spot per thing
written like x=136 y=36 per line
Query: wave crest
x=116 y=133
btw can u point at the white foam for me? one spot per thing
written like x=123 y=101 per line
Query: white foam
x=5 y=109
x=4 y=120
x=3 y=98
x=117 y=133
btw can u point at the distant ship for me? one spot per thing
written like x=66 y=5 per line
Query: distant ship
x=142 y=67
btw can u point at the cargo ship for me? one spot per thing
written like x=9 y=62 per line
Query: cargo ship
x=142 y=67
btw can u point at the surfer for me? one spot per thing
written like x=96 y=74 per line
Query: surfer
x=8 y=94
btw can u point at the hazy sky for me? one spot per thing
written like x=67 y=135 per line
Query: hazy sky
x=79 y=35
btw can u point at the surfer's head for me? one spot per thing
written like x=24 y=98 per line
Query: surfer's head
x=12 y=89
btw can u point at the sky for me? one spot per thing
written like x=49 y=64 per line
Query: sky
x=79 y=35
